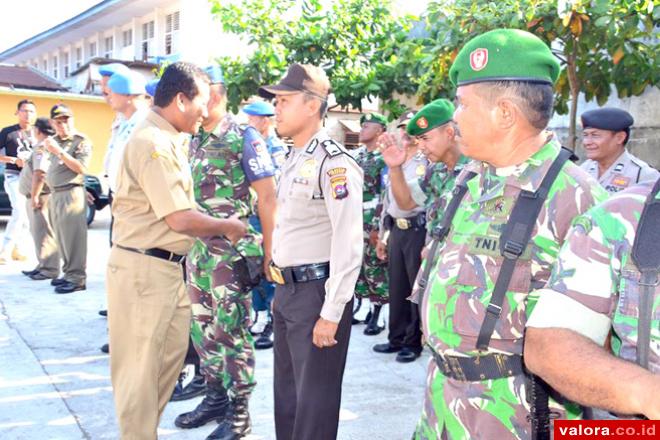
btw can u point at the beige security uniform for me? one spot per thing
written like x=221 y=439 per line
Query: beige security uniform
x=148 y=308
x=68 y=207
x=627 y=170
x=319 y=221
x=45 y=246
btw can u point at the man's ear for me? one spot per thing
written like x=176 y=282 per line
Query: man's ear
x=180 y=101
x=620 y=137
x=506 y=113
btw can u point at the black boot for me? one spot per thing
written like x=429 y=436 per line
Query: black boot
x=196 y=387
x=372 y=325
x=236 y=425
x=214 y=407
x=358 y=305
x=265 y=341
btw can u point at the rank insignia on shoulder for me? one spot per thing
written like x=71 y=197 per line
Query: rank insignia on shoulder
x=618 y=168
x=339 y=187
x=312 y=146
x=336 y=171
x=331 y=147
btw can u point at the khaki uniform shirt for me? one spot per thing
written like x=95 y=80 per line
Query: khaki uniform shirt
x=59 y=175
x=153 y=181
x=413 y=170
x=625 y=171
x=319 y=217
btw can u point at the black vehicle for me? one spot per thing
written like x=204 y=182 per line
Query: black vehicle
x=92 y=185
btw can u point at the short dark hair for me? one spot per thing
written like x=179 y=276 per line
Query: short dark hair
x=23 y=102
x=535 y=99
x=43 y=125
x=179 y=77
x=324 y=103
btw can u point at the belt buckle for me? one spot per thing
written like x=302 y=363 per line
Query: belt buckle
x=402 y=223
x=276 y=274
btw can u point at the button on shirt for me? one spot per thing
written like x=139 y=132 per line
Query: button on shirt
x=627 y=170
x=319 y=217
x=153 y=181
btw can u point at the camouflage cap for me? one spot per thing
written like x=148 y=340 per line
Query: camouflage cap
x=376 y=118
x=300 y=78
x=432 y=115
x=504 y=55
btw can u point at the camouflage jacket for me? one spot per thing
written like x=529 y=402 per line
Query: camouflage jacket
x=437 y=185
x=594 y=286
x=223 y=165
x=375 y=171
x=467 y=263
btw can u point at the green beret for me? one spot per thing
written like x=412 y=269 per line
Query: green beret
x=430 y=116
x=504 y=55
x=374 y=117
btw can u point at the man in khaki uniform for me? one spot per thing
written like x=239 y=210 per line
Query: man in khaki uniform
x=605 y=133
x=155 y=222
x=317 y=254
x=32 y=186
x=70 y=153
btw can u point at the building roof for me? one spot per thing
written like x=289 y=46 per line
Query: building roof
x=16 y=77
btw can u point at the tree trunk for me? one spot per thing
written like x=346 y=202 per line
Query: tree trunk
x=574 y=86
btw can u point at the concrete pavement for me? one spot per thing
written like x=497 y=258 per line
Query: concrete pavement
x=55 y=382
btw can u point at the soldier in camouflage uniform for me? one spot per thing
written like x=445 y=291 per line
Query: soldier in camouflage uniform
x=229 y=165
x=477 y=390
x=372 y=282
x=594 y=291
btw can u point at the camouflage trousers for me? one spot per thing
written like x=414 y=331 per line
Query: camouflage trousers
x=373 y=281
x=220 y=321
x=491 y=409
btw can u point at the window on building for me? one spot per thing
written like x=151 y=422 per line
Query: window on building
x=79 y=57
x=65 y=64
x=55 y=67
x=44 y=66
x=92 y=49
x=108 y=47
x=127 y=37
x=147 y=36
x=171 y=32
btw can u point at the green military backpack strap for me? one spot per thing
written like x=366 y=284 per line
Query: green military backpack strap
x=646 y=256
x=514 y=240
x=439 y=235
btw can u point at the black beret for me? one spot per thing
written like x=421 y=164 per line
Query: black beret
x=612 y=119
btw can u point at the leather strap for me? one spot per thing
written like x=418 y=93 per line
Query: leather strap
x=157 y=253
x=514 y=240
x=479 y=368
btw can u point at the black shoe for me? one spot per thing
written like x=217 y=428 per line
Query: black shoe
x=57 y=281
x=387 y=348
x=103 y=313
x=105 y=348
x=38 y=276
x=407 y=355
x=69 y=287
x=196 y=387
x=215 y=406
x=372 y=323
x=358 y=306
x=237 y=423
x=27 y=273
x=264 y=340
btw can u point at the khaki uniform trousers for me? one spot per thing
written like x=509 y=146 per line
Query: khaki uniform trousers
x=45 y=246
x=149 y=323
x=67 y=214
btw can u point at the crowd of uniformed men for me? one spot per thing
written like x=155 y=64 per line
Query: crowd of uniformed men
x=535 y=291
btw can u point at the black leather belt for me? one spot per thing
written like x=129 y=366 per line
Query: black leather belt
x=300 y=274
x=478 y=368
x=156 y=252
x=405 y=223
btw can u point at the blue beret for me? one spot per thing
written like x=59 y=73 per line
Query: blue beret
x=215 y=74
x=129 y=83
x=259 y=108
x=112 y=68
x=150 y=88
x=612 y=119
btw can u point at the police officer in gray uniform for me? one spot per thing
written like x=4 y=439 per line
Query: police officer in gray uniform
x=605 y=133
x=317 y=254
x=407 y=234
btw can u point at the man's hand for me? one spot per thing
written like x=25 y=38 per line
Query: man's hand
x=52 y=146
x=235 y=229
x=381 y=251
x=393 y=154
x=36 y=202
x=373 y=238
x=324 y=333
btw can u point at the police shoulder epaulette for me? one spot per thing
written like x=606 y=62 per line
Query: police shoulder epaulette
x=332 y=148
x=312 y=146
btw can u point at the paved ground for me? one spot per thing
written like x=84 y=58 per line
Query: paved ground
x=55 y=384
